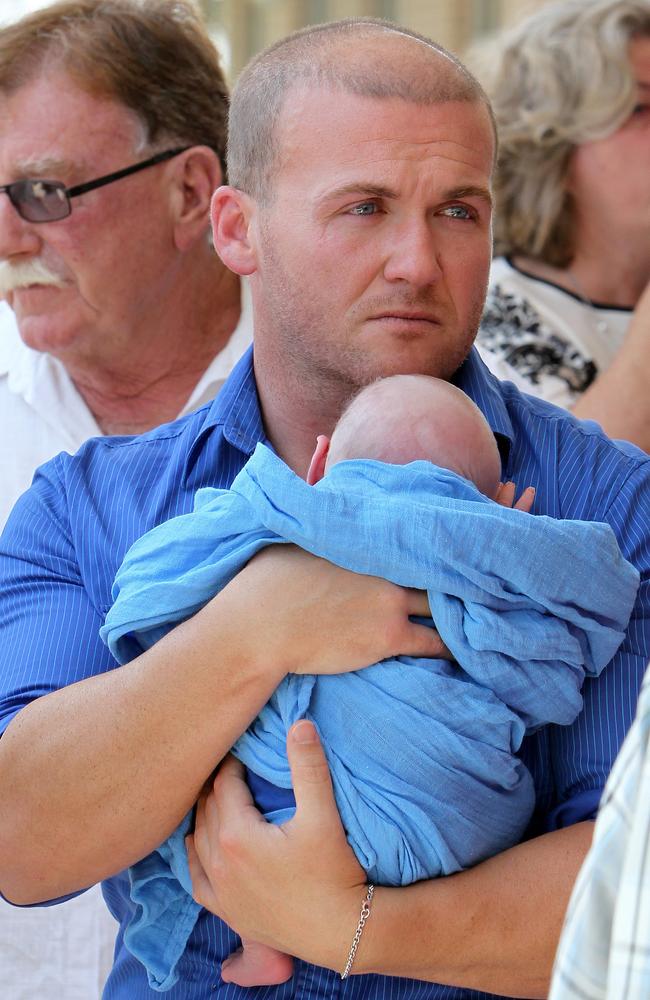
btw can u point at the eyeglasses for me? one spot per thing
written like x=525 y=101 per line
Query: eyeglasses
x=49 y=201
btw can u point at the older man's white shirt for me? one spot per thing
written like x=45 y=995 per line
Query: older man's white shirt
x=62 y=952
x=41 y=412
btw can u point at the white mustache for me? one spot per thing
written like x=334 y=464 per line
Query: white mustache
x=24 y=273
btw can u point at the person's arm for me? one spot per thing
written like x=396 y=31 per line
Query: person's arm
x=619 y=399
x=299 y=888
x=494 y=927
x=98 y=773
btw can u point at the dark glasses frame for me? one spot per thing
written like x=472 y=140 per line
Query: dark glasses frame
x=30 y=202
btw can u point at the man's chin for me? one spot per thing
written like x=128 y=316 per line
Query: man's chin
x=433 y=363
x=50 y=331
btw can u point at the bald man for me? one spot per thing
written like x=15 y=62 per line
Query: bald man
x=359 y=158
x=413 y=785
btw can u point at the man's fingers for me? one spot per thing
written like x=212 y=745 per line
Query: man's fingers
x=201 y=888
x=223 y=806
x=232 y=796
x=417 y=603
x=205 y=827
x=310 y=776
x=422 y=640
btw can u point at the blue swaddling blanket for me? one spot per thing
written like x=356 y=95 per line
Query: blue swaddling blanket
x=422 y=752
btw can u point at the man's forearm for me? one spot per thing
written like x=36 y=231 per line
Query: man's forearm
x=493 y=928
x=96 y=775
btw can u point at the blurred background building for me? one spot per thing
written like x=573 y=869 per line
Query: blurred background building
x=246 y=26
x=243 y=27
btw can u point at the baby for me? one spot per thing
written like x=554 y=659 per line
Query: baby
x=407 y=418
x=398 y=420
x=423 y=753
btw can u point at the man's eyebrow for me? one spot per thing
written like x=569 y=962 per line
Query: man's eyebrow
x=361 y=189
x=45 y=168
x=471 y=191
x=379 y=191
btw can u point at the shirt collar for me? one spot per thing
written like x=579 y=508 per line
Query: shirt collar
x=43 y=384
x=475 y=379
x=222 y=364
x=236 y=410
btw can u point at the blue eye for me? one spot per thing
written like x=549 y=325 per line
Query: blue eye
x=458 y=212
x=364 y=208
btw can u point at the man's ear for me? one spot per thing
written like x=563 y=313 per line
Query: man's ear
x=318 y=460
x=231 y=212
x=197 y=174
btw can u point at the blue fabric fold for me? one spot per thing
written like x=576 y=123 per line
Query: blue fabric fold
x=422 y=751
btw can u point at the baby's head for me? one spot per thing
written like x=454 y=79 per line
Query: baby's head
x=404 y=418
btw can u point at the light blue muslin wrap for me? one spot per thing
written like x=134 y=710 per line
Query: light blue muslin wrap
x=422 y=752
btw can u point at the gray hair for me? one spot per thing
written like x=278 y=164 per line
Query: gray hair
x=559 y=79
x=326 y=55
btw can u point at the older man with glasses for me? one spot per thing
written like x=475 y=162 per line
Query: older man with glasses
x=112 y=140
x=49 y=201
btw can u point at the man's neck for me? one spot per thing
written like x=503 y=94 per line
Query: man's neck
x=295 y=412
x=150 y=383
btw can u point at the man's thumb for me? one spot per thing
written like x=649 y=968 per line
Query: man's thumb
x=312 y=784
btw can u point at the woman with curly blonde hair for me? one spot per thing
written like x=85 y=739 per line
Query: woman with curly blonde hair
x=566 y=317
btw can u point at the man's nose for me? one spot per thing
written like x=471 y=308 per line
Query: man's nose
x=18 y=238
x=412 y=256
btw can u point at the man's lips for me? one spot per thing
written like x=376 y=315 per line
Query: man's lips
x=407 y=315
x=35 y=288
x=32 y=298
x=35 y=284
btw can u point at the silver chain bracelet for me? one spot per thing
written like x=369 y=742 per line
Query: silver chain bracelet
x=363 y=916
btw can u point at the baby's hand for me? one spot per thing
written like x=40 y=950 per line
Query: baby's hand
x=505 y=496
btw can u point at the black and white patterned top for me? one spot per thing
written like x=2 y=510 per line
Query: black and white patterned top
x=546 y=340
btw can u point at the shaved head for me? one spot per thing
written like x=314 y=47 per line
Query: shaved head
x=363 y=56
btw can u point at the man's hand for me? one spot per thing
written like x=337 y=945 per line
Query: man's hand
x=297 y=887
x=313 y=617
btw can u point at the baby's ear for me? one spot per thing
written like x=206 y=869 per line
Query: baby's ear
x=318 y=460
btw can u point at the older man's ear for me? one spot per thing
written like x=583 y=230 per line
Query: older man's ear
x=195 y=176
x=232 y=232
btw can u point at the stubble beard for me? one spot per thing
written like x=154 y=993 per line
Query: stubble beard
x=301 y=357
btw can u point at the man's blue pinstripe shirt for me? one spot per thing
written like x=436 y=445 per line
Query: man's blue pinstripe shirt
x=68 y=534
